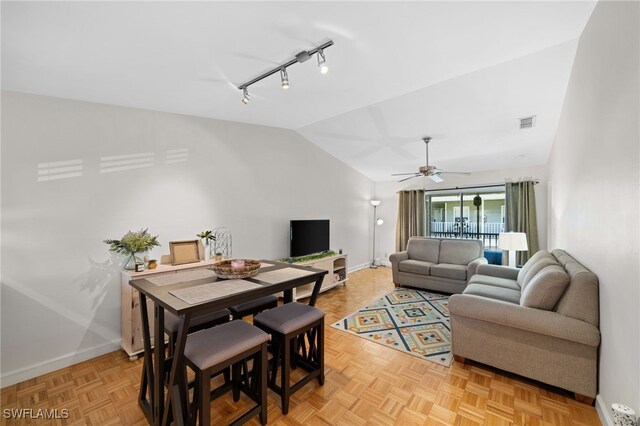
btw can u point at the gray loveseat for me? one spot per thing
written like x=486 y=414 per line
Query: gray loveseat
x=540 y=321
x=437 y=264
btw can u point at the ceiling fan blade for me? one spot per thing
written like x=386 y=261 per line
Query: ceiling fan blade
x=456 y=173
x=403 y=174
x=410 y=177
x=436 y=178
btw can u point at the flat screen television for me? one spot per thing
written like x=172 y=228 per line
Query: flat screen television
x=308 y=236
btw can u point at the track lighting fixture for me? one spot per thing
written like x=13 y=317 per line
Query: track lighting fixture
x=246 y=98
x=285 y=78
x=322 y=62
x=300 y=57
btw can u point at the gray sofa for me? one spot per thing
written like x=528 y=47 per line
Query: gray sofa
x=437 y=264
x=540 y=321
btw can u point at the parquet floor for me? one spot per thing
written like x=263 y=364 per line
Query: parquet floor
x=366 y=383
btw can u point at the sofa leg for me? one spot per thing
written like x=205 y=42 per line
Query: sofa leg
x=583 y=399
x=459 y=359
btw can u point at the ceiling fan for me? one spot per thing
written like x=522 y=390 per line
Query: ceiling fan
x=432 y=172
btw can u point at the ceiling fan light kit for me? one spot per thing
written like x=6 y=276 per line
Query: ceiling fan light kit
x=300 y=57
x=432 y=172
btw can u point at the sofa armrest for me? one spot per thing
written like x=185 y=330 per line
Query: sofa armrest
x=547 y=323
x=398 y=257
x=473 y=266
x=498 y=271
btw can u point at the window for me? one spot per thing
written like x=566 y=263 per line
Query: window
x=455 y=215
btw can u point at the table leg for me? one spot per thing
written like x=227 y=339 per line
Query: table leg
x=159 y=355
x=176 y=402
x=146 y=381
x=288 y=296
x=316 y=291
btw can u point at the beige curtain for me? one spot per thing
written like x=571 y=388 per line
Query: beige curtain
x=521 y=215
x=410 y=217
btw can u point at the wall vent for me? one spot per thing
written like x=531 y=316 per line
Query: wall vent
x=527 y=122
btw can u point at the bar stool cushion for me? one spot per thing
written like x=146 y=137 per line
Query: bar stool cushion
x=288 y=317
x=171 y=322
x=255 y=303
x=215 y=345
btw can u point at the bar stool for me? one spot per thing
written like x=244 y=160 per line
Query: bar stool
x=200 y=322
x=211 y=351
x=288 y=325
x=254 y=307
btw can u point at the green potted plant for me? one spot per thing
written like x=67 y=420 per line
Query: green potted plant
x=131 y=244
x=207 y=238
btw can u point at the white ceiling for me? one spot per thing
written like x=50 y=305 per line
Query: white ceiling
x=460 y=71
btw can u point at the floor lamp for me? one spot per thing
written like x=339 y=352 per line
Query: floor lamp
x=512 y=242
x=376 y=221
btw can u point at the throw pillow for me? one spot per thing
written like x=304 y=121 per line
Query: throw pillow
x=532 y=260
x=535 y=269
x=545 y=289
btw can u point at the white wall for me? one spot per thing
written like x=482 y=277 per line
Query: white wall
x=60 y=285
x=386 y=192
x=593 y=193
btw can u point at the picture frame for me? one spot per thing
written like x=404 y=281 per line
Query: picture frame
x=183 y=252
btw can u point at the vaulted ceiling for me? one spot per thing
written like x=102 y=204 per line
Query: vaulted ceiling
x=462 y=72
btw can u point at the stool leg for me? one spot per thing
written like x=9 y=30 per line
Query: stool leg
x=204 y=397
x=235 y=381
x=262 y=382
x=195 y=404
x=294 y=351
x=286 y=372
x=275 y=361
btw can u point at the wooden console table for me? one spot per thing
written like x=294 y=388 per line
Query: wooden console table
x=131 y=324
x=333 y=264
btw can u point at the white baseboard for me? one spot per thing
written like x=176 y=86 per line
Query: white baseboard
x=26 y=373
x=357 y=267
x=603 y=412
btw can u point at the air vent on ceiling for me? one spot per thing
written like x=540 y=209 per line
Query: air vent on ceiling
x=527 y=122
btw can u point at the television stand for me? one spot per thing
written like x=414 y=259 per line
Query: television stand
x=334 y=264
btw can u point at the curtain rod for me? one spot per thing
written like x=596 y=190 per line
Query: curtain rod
x=493 y=185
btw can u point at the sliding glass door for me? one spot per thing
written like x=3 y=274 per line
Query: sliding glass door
x=466 y=215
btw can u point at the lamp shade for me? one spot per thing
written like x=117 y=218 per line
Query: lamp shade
x=513 y=241
x=375 y=202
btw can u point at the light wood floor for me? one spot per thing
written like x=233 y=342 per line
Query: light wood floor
x=366 y=383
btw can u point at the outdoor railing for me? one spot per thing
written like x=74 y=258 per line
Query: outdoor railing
x=488 y=231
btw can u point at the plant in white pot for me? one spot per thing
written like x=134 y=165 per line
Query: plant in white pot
x=133 y=243
x=208 y=239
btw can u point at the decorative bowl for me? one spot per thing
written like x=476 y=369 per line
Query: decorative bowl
x=224 y=270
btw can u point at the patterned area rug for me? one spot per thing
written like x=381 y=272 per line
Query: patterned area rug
x=411 y=321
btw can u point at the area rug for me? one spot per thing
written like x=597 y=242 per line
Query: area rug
x=411 y=321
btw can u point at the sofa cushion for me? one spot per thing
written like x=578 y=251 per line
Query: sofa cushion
x=448 y=270
x=541 y=254
x=494 y=281
x=460 y=252
x=415 y=266
x=493 y=292
x=421 y=248
x=546 y=288
x=535 y=269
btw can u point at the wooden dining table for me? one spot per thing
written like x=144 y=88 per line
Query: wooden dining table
x=189 y=294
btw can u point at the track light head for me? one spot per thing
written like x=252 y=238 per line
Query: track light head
x=245 y=98
x=285 y=78
x=322 y=62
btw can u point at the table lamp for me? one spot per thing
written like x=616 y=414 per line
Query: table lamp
x=512 y=242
